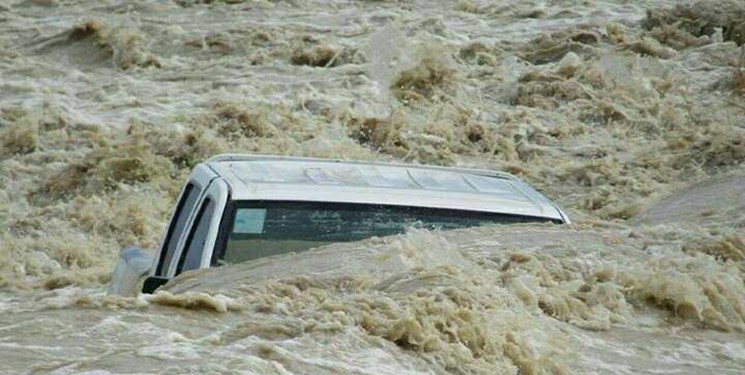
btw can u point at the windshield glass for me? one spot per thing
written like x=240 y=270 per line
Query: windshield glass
x=263 y=228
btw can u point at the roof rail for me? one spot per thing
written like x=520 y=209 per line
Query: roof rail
x=255 y=157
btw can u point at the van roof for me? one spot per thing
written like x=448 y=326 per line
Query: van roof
x=264 y=177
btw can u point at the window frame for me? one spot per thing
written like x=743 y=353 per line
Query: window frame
x=183 y=197
x=203 y=208
x=218 y=192
x=201 y=177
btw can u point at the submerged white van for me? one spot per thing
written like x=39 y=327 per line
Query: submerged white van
x=235 y=208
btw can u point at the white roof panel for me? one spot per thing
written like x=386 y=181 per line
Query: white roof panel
x=258 y=177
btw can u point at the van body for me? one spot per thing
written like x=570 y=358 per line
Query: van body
x=235 y=208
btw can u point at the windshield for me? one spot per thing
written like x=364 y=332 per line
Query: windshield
x=263 y=228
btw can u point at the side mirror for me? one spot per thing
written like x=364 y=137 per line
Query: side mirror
x=152 y=283
x=133 y=265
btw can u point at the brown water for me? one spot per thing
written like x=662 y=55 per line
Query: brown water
x=631 y=120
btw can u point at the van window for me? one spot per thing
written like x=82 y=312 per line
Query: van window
x=192 y=255
x=265 y=228
x=178 y=224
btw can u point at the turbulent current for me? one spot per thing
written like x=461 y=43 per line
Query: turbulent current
x=631 y=115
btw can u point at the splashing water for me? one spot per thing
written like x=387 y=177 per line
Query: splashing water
x=630 y=115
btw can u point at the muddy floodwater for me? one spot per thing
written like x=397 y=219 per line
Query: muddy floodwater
x=629 y=114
